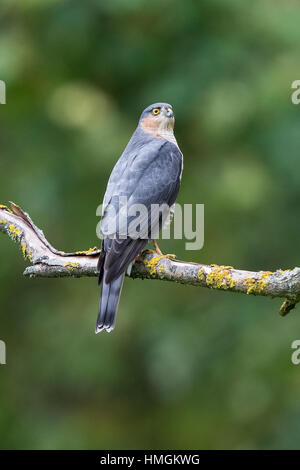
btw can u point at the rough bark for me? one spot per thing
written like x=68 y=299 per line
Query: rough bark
x=46 y=261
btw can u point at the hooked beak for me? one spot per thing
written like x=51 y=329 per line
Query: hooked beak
x=168 y=112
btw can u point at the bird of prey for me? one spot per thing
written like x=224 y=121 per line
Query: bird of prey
x=149 y=173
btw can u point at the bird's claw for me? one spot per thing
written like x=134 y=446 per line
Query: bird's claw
x=170 y=256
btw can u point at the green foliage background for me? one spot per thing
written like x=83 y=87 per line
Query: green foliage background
x=185 y=367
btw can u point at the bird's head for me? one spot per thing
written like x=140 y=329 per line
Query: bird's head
x=157 y=118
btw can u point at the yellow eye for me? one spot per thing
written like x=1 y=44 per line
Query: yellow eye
x=155 y=111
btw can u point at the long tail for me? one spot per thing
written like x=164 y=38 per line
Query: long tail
x=109 y=302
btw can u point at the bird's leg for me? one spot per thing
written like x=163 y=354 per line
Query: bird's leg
x=159 y=252
x=157 y=249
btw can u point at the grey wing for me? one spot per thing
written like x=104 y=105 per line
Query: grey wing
x=150 y=176
x=115 y=180
x=157 y=190
x=153 y=178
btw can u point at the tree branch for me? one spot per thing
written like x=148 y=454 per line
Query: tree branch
x=48 y=262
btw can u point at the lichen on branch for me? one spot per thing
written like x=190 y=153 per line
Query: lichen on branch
x=46 y=261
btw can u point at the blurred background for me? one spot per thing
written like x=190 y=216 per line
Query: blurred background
x=185 y=367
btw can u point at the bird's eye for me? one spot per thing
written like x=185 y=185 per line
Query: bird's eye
x=155 y=111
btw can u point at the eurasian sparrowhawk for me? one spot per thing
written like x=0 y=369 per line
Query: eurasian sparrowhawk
x=149 y=173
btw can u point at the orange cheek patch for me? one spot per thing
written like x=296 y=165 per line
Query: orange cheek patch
x=150 y=124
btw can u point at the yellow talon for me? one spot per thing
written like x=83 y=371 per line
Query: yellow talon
x=169 y=256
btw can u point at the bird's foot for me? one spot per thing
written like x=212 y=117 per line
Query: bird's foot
x=138 y=258
x=170 y=256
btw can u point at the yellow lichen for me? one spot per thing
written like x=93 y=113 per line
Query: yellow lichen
x=3 y=221
x=200 y=275
x=266 y=274
x=26 y=254
x=87 y=252
x=152 y=264
x=220 y=278
x=254 y=287
x=13 y=231
x=71 y=266
x=2 y=206
x=261 y=285
x=161 y=269
x=250 y=283
x=24 y=248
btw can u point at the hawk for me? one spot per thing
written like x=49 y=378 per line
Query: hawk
x=148 y=173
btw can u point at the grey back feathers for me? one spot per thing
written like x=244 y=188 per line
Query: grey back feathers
x=148 y=172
